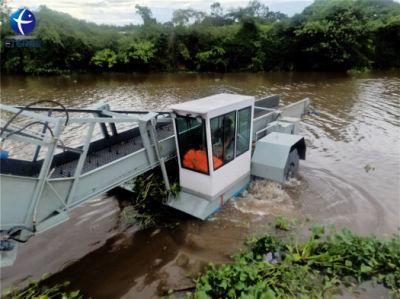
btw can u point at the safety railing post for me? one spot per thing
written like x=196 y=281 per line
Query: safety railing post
x=81 y=161
x=43 y=175
x=153 y=134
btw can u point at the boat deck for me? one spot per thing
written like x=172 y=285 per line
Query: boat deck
x=101 y=152
x=112 y=152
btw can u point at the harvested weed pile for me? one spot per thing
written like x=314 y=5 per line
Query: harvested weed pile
x=146 y=206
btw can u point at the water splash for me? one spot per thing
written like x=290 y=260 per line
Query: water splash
x=292 y=183
x=265 y=198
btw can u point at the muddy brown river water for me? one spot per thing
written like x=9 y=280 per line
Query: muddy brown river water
x=351 y=178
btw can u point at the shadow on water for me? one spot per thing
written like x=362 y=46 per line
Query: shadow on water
x=112 y=270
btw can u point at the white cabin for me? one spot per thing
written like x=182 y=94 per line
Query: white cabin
x=213 y=140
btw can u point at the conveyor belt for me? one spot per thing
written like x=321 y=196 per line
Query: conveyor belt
x=108 y=154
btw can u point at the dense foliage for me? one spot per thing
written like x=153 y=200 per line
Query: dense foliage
x=271 y=268
x=332 y=35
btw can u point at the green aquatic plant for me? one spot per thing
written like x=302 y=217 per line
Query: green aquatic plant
x=149 y=196
x=35 y=290
x=271 y=268
x=282 y=224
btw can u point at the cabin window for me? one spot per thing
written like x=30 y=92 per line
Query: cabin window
x=223 y=138
x=243 y=131
x=192 y=143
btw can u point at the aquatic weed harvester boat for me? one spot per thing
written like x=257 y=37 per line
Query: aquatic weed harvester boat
x=220 y=142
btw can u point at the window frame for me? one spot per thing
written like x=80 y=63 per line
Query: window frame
x=235 y=132
x=203 y=123
x=237 y=129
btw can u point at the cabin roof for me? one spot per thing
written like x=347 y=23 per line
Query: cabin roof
x=211 y=103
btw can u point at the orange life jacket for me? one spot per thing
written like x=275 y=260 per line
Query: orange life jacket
x=197 y=160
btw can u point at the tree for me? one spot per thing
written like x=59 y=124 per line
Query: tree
x=183 y=17
x=104 y=58
x=387 y=44
x=216 y=18
x=257 y=9
x=341 y=40
x=254 y=9
x=136 y=53
x=216 y=9
x=243 y=48
x=213 y=59
x=146 y=15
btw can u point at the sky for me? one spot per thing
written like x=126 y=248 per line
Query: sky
x=122 y=12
